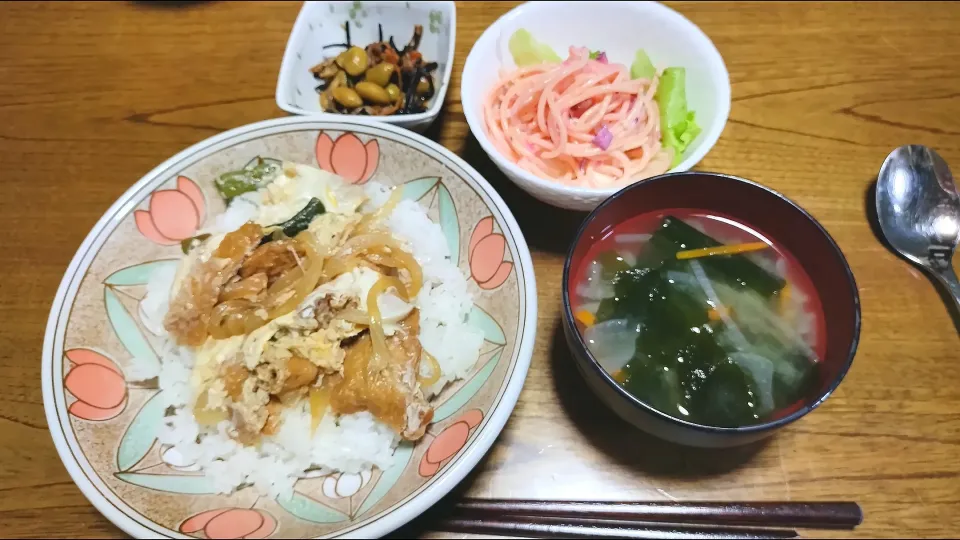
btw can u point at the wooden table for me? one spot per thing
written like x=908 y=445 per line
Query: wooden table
x=94 y=95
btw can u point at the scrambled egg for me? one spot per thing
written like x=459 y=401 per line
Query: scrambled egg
x=294 y=188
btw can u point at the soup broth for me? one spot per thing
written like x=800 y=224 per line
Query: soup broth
x=701 y=317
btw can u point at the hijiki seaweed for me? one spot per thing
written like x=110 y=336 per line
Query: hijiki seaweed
x=377 y=80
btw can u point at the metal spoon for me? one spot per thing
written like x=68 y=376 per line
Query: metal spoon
x=918 y=208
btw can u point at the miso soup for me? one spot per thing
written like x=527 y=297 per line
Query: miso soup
x=701 y=317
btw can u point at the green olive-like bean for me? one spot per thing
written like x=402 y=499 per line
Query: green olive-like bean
x=372 y=93
x=328 y=71
x=423 y=85
x=353 y=61
x=325 y=104
x=380 y=74
x=340 y=79
x=347 y=97
x=394 y=92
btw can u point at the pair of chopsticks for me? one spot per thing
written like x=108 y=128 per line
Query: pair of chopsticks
x=674 y=520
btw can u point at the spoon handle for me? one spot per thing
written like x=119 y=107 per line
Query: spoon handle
x=948 y=277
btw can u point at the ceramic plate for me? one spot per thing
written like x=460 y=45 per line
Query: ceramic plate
x=104 y=427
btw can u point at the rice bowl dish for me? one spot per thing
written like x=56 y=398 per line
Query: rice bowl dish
x=126 y=369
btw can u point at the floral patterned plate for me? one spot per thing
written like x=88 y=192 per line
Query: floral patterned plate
x=104 y=426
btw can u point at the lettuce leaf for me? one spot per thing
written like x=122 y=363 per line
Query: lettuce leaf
x=527 y=51
x=642 y=67
x=678 y=125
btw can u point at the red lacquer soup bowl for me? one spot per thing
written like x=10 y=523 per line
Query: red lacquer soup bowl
x=788 y=227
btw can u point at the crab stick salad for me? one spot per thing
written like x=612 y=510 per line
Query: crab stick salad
x=588 y=121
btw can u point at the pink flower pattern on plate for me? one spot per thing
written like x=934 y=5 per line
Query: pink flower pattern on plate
x=486 y=254
x=449 y=442
x=348 y=157
x=98 y=385
x=173 y=214
x=230 y=523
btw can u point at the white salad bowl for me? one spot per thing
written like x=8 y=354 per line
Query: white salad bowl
x=104 y=420
x=619 y=29
x=323 y=23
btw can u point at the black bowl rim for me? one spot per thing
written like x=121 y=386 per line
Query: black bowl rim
x=637 y=402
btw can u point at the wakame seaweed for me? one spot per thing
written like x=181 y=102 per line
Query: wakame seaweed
x=683 y=364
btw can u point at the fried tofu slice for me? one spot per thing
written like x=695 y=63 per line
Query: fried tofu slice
x=389 y=390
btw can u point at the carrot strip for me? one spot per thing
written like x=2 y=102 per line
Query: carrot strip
x=721 y=250
x=715 y=314
x=587 y=318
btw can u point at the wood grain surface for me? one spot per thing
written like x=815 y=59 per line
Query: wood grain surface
x=94 y=95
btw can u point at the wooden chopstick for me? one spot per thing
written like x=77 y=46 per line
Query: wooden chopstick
x=534 y=527
x=825 y=515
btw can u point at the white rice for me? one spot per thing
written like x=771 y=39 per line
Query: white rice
x=241 y=210
x=156 y=302
x=351 y=443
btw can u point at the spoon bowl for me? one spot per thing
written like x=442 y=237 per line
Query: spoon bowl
x=918 y=209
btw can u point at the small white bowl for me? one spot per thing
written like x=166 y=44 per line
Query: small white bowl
x=322 y=23
x=619 y=29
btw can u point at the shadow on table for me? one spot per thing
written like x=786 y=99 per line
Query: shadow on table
x=422 y=524
x=436 y=128
x=626 y=444
x=870 y=206
x=545 y=227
